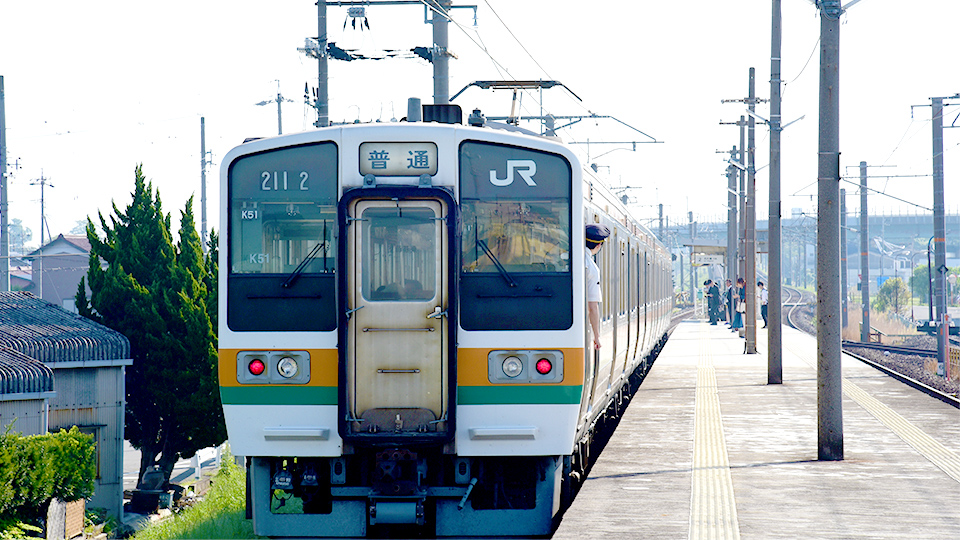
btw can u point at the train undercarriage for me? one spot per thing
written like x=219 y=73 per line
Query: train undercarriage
x=419 y=491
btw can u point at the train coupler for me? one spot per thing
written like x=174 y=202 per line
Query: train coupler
x=396 y=512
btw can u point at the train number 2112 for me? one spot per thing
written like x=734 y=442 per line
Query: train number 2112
x=278 y=181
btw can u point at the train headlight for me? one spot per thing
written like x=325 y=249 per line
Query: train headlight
x=287 y=367
x=256 y=367
x=512 y=366
x=544 y=366
x=273 y=367
x=525 y=366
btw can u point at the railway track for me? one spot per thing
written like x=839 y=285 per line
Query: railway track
x=889 y=348
x=903 y=363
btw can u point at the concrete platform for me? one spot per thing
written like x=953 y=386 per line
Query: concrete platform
x=707 y=449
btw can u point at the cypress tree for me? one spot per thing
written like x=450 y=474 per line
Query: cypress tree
x=157 y=294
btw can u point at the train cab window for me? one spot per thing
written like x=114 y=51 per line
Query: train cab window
x=282 y=252
x=399 y=255
x=515 y=239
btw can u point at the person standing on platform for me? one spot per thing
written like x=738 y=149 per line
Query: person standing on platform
x=763 y=296
x=596 y=234
x=713 y=301
x=728 y=302
x=739 y=303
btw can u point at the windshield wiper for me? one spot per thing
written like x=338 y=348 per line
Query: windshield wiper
x=292 y=278
x=496 y=262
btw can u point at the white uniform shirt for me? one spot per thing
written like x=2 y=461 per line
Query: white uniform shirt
x=593 y=279
x=764 y=296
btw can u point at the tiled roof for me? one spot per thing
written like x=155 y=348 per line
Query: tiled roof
x=50 y=334
x=20 y=374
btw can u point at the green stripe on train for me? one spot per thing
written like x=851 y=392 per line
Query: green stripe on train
x=517 y=395
x=278 y=395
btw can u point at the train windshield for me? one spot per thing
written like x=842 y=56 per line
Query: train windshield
x=515 y=210
x=399 y=254
x=283 y=211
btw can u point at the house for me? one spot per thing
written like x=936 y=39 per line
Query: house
x=21 y=274
x=88 y=362
x=57 y=268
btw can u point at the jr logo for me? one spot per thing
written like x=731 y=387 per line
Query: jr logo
x=526 y=168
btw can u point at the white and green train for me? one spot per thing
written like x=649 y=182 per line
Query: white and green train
x=402 y=329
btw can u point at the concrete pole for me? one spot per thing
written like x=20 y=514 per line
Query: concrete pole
x=4 y=206
x=750 y=244
x=279 y=112
x=732 y=218
x=864 y=257
x=203 y=184
x=829 y=376
x=441 y=59
x=660 y=234
x=661 y=221
x=939 y=238
x=322 y=103
x=843 y=258
x=741 y=200
x=693 y=281
x=774 y=260
x=681 y=269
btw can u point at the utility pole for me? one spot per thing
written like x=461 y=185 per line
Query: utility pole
x=748 y=268
x=843 y=258
x=829 y=375
x=441 y=58
x=741 y=201
x=660 y=206
x=732 y=169
x=750 y=237
x=940 y=235
x=440 y=54
x=42 y=182
x=736 y=199
x=693 y=282
x=322 y=98
x=864 y=257
x=279 y=101
x=203 y=185
x=774 y=269
x=4 y=207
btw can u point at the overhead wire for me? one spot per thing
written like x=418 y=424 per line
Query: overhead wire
x=500 y=67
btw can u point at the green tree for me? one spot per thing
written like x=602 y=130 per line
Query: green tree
x=156 y=293
x=893 y=296
x=19 y=236
x=920 y=283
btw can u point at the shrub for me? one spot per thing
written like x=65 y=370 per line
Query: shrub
x=221 y=513
x=37 y=468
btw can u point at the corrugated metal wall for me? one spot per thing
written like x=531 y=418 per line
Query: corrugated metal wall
x=93 y=399
x=27 y=416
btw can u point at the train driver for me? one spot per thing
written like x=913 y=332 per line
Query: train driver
x=596 y=234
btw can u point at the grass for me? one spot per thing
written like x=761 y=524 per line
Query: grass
x=219 y=515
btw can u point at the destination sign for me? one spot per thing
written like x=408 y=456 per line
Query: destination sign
x=398 y=158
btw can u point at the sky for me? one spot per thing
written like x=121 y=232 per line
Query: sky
x=93 y=89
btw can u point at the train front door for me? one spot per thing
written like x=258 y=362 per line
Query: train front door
x=396 y=357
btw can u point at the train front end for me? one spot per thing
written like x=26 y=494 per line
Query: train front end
x=400 y=340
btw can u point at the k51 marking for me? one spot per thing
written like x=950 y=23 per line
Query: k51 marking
x=526 y=168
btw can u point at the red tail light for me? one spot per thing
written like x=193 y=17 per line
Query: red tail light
x=544 y=366
x=256 y=366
